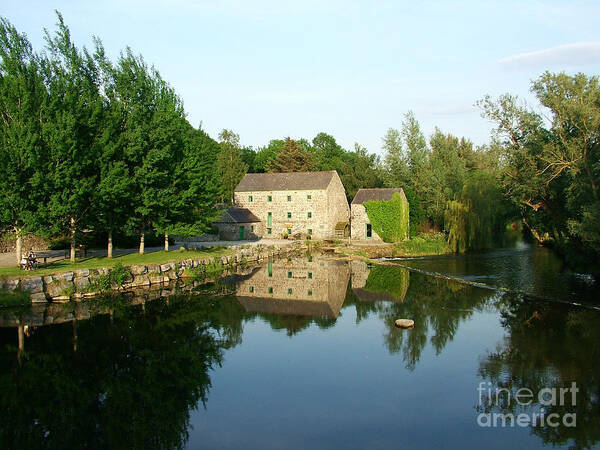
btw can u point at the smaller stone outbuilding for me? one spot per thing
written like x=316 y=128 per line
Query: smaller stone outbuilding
x=239 y=224
x=360 y=226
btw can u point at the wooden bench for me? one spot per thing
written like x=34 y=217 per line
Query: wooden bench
x=80 y=251
x=43 y=256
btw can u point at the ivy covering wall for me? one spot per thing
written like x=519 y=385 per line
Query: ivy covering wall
x=389 y=218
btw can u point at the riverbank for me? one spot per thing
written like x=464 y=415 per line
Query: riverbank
x=96 y=262
x=85 y=282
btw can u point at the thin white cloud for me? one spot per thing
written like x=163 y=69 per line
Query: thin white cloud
x=574 y=54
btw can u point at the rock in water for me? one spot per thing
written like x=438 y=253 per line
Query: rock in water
x=405 y=323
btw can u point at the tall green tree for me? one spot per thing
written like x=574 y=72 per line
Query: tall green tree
x=23 y=97
x=114 y=193
x=292 y=158
x=395 y=160
x=75 y=116
x=552 y=173
x=196 y=186
x=230 y=164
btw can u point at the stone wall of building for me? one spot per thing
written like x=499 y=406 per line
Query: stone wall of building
x=231 y=231
x=337 y=206
x=299 y=205
x=326 y=207
x=358 y=224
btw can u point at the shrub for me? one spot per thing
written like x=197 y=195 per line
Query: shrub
x=119 y=274
x=116 y=276
x=68 y=291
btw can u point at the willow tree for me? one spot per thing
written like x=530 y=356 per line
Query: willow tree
x=475 y=219
x=22 y=150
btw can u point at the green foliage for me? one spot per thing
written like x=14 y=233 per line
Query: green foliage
x=388 y=280
x=424 y=244
x=389 y=218
x=119 y=274
x=23 y=154
x=116 y=277
x=212 y=270
x=68 y=291
x=477 y=218
x=552 y=173
x=230 y=165
x=291 y=158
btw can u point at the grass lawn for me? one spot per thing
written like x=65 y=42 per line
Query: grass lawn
x=423 y=245
x=131 y=259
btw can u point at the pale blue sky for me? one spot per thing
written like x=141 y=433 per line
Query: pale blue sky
x=270 y=69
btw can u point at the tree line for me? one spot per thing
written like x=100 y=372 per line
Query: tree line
x=87 y=143
x=541 y=169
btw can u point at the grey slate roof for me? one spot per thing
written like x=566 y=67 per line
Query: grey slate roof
x=285 y=181
x=367 y=195
x=238 y=215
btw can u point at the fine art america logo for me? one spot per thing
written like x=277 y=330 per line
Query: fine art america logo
x=524 y=398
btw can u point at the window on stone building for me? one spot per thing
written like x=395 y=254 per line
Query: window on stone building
x=269 y=198
x=310 y=231
x=310 y=259
x=252 y=228
x=308 y=197
x=289 y=215
x=289 y=231
x=309 y=215
x=269 y=230
x=310 y=275
x=270 y=269
x=289 y=274
x=270 y=290
x=289 y=198
x=289 y=290
x=251 y=288
x=249 y=198
x=309 y=292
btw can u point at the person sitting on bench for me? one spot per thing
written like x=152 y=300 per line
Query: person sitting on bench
x=32 y=262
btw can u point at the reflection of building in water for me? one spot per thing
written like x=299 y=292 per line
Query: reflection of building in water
x=379 y=283
x=307 y=286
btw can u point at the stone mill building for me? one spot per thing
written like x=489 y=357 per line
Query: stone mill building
x=276 y=205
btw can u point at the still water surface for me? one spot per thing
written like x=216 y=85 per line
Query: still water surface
x=303 y=354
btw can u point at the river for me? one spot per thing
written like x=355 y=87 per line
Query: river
x=303 y=353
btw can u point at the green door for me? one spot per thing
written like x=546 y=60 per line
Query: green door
x=269 y=219
x=242 y=233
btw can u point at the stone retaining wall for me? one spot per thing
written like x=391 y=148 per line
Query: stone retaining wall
x=75 y=284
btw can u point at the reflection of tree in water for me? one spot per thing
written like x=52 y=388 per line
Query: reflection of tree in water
x=549 y=346
x=436 y=305
x=293 y=324
x=130 y=383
